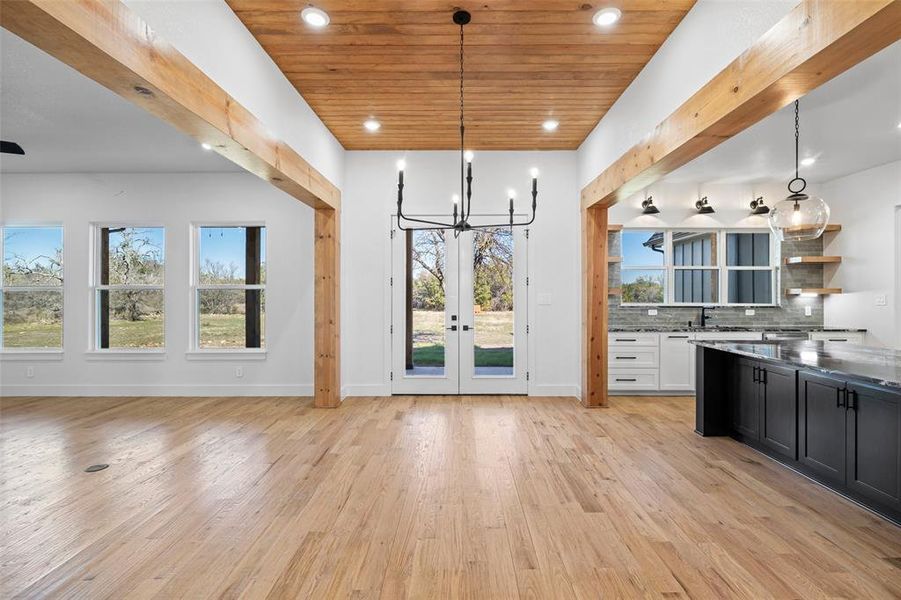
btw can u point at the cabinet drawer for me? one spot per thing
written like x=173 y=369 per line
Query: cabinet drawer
x=836 y=336
x=632 y=379
x=633 y=339
x=631 y=358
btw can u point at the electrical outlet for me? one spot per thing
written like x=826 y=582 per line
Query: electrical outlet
x=750 y=312
x=880 y=300
x=652 y=312
x=29 y=372
x=239 y=372
x=808 y=311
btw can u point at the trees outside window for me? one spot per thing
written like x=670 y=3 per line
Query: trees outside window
x=129 y=293
x=31 y=288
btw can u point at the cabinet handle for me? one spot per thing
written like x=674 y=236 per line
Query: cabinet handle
x=837 y=339
x=618 y=379
x=754 y=375
x=851 y=399
x=764 y=377
x=626 y=358
x=677 y=337
x=840 y=395
x=626 y=340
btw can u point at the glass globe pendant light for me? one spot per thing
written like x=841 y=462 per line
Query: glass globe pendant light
x=799 y=216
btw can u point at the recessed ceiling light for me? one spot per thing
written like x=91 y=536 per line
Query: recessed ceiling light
x=372 y=125
x=534 y=172
x=401 y=165
x=551 y=125
x=469 y=155
x=808 y=161
x=606 y=16
x=206 y=146
x=314 y=17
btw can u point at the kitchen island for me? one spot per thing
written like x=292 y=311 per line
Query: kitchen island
x=830 y=411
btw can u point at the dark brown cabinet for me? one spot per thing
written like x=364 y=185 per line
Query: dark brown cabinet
x=764 y=407
x=746 y=400
x=821 y=427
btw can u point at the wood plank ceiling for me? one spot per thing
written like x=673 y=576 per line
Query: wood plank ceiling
x=397 y=61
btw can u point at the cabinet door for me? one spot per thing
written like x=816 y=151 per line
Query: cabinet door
x=779 y=410
x=745 y=400
x=874 y=444
x=821 y=426
x=677 y=365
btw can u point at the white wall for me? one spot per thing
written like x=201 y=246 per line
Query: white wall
x=712 y=34
x=174 y=201
x=370 y=196
x=211 y=36
x=865 y=204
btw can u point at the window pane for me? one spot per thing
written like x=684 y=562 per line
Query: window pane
x=696 y=285
x=224 y=319
x=135 y=318
x=33 y=319
x=694 y=249
x=425 y=303
x=643 y=286
x=32 y=256
x=492 y=290
x=751 y=287
x=135 y=255
x=643 y=248
x=748 y=249
x=233 y=255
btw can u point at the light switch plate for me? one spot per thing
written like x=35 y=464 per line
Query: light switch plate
x=544 y=299
x=750 y=312
x=239 y=372
x=652 y=312
x=29 y=372
x=808 y=311
x=880 y=300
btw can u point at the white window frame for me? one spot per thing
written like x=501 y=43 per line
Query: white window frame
x=95 y=287
x=721 y=266
x=195 y=350
x=61 y=289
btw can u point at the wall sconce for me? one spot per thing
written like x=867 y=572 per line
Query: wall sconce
x=647 y=206
x=703 y=207
x=758 y=207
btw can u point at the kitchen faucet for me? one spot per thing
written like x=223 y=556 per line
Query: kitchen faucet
x=704 y=316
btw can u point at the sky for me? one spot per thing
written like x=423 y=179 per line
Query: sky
x=30 y=242
x=226 y=245
x=634 y=253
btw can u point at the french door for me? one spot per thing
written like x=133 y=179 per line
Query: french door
x=459 y=312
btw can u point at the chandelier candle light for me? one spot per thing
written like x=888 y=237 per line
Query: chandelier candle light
x=799 y=216
x=461 y=213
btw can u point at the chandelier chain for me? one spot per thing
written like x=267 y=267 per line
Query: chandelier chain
x=797 y=136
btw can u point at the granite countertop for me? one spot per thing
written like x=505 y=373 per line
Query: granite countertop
x=748 y=329
x=880 y=366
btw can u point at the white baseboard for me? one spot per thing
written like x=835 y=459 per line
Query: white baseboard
x=365 y=389
x=253 y=389
x=567 y=391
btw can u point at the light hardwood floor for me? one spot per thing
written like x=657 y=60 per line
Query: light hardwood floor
x=415 y=497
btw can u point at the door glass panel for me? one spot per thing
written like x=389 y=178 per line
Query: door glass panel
x=424 y=352
x=492 y=294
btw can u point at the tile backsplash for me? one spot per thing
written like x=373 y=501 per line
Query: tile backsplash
x=789 y=314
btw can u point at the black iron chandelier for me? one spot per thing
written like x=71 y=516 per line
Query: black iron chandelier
x=461 y=214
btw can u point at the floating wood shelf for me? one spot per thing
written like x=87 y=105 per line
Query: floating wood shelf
x=814 y=291
x=615 y=292
x=614 y=227
x=614 y=259
x=831 y=228
x=812 y=260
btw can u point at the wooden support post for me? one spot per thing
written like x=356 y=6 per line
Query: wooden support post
x=594 y=306
x=253 y=306
x=327 y=341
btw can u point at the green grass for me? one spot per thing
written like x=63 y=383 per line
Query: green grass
x=493 y=338
x=217 y=331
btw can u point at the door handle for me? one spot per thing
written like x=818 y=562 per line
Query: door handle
x=467 y=328
x=452 y=328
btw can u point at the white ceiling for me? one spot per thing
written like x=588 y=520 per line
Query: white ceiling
x=848 y=124
x=67 y=123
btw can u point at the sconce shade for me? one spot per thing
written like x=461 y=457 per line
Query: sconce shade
x=648 y=207
x=703 y=207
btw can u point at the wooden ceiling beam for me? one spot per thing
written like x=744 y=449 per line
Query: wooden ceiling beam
x=110 y=44
x=816 y=41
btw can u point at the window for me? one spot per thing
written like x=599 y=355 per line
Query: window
x=32 y=288
x=128 y=288
x=695 y=267
x=748 y=268
x=230 y=287
x=643 y=267
x=690 y=267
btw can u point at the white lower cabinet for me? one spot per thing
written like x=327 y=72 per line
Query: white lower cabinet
x=633 y=362
x=677 y=362
x=851 y=337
